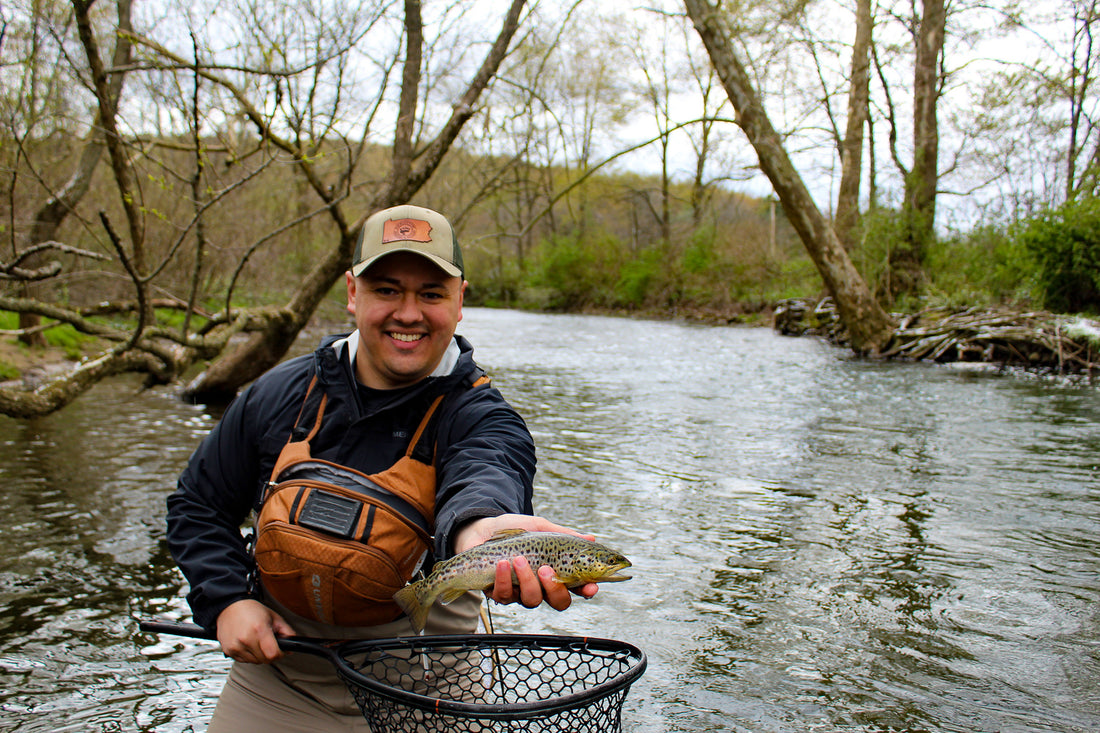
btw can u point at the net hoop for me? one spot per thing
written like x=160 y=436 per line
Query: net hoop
x=526 y=683
x=631 y=660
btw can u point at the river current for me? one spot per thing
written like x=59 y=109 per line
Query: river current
x=820 y=543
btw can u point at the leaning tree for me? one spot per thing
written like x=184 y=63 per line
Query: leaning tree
x=869 y=327
x=291 y=110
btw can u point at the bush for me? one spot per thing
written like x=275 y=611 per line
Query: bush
x=8 y=371
x=643 y=278
x=881 y=231
x=568 y=273
x=1064 y=244
x=986 y=265
x=699 y=256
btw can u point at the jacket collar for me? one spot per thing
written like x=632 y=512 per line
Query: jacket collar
x=335 y=361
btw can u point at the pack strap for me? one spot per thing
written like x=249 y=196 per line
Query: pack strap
x=423 y=425
x=426 y=453
x=299 y=433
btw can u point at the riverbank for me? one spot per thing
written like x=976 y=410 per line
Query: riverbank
x=738 y=314
x=1002 y=336
x=28 y=366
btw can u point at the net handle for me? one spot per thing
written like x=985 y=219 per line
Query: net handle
x=309 y=645
x=330 y=649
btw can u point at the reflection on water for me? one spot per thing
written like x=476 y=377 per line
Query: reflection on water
x=819 y=543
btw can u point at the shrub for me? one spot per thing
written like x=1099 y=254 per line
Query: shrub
x=568 y=273
x=699 y=256
x=642 y=278
x=1064 y=243
x=880 y=232
x=985 y=265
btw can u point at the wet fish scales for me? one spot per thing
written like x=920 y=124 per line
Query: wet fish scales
x=575 y=561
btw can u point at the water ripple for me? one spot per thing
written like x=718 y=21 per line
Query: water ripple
x=820 y=543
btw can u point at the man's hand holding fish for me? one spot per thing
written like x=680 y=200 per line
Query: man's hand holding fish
x=531 y=586
x=514 y=557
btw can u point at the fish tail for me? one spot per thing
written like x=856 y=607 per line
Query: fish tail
x=416 y=601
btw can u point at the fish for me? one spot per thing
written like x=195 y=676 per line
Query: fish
x=575 y=560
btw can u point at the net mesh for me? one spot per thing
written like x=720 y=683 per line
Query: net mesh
x=494 y=682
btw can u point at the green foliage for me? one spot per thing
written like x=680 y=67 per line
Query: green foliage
x=1064 y=243
x=700 y=255
x=69 y=340
x=638 y=278
x=880 y=232
x=796 y=277
x=497 y=286
x=569 y=272
x=985 y=266
x=726 y=266
x=8 y=371
x=173 y=318
x=60 y=336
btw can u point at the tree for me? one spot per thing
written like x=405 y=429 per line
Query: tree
x=869 y=327
x=706 y=138
x=1036 y=114
x=922 y=178
x=411 y=165
x=1082 y=164
x=657 y=89
x=38 y=100
x=851 y=146
x=296 y=95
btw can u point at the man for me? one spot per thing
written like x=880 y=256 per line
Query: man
x=405 y=292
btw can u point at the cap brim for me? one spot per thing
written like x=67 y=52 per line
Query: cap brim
x=442 y=264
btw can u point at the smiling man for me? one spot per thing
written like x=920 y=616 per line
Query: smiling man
x=399 y=402
x=406 y=310
x=405 y=291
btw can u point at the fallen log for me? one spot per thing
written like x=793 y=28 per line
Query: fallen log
x=1032 y=339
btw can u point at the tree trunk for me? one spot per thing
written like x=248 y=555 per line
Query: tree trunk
x=265 y=348
x=50 y=216
x=1082 y=59
x=851 y=154
x=869 y=327
x=56 y=394
x=919 y=208
x=107 y=110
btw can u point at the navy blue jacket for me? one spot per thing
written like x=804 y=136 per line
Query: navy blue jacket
x=485 y=461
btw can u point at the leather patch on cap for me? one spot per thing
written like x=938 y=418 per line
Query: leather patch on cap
x=406 y=230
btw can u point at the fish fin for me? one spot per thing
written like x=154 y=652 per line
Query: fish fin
x=451 y=594
x=503 y=534
x=414 y=601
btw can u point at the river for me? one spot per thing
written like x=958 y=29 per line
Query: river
x=820 y=543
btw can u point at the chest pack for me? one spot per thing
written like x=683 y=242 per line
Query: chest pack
x=334 y=544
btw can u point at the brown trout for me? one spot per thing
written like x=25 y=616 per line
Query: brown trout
x=575 y=561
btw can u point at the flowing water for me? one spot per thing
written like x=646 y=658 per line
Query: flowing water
x=820 y=543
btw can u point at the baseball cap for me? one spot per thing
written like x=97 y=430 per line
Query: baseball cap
x=408 y=228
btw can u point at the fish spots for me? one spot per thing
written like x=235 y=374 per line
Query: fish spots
x=578 y=560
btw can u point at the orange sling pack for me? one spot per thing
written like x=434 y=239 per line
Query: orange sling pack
x=334 y=544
